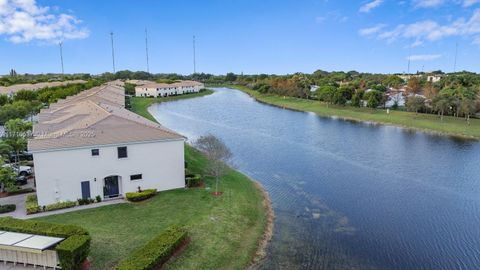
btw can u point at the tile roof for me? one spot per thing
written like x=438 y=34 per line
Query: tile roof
x=94 y=117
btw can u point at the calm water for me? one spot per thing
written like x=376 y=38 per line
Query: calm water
x=347 y=195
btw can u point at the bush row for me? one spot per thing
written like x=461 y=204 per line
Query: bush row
x=17 y=190
x=155 y=252
x=141 y=195
x=72 y=252
x=59 y=205
x=40 y=227
x=32 y=206
x=7 y=208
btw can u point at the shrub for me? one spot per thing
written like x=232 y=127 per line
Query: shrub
x=60 y=205
x=193 y=180
x=7 y=208
x=73 y=251
x=31 y=205
x=40 y=227
x=155 y=252
x=98 y=198
x=17 y=190
x=140 y=195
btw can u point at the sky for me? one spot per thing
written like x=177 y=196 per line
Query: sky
x=249 y=36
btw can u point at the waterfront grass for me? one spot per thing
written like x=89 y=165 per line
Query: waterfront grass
x=224 y=231
x=140 y=105
x=427 y=122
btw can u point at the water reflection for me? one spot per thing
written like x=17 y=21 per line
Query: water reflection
x=347 y=195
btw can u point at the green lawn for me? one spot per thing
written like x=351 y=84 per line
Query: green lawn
x=428 y=122
x=224 y=231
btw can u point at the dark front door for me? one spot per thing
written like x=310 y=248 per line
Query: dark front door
x=85 y=189
x=111 y=188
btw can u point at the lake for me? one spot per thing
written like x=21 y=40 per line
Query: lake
x=347 y=195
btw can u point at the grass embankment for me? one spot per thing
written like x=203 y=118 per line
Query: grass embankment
x=426 y=122
x=224 y=231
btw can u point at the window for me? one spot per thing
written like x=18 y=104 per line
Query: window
x=136 y=177
x=95 y=152
x=122 y=152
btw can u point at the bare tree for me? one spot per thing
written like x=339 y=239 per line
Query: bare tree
x=218 y=155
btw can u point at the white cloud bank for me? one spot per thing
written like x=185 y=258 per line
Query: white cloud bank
x=437 y=3
x=370 y=5
x=23 y=21
x=424 y=57
x=429 y=30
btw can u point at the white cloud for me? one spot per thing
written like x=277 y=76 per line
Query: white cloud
x=371 y=30
x=23 y=21
x=437 y=3
x=429 y=30
x=468 y=3
x=424 y=57
x=370 y=5
x=428 y=3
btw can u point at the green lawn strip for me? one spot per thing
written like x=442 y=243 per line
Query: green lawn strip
x=224 y=231
x=426 y=122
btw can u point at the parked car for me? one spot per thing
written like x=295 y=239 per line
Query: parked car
x=21 y=170
x=21 y=157
x=21 y=180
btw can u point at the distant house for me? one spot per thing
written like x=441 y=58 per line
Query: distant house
x=89 y=145
x=165 y=89
x=434 y=78
x=314 y=88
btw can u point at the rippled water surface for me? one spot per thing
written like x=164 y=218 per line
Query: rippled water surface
x=347 y=195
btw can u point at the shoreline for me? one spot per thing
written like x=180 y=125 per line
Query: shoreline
x=263 y=242
x=264 y=239
x=358 y=120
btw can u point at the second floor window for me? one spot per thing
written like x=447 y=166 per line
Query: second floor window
x=122 y=152
x=95 y=152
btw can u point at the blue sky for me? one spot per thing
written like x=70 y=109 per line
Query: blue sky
x=250 y=36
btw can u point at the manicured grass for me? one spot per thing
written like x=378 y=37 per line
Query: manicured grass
x=224 y=231
x=428 y=122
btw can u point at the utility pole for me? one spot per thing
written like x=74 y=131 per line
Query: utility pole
x=61 y=56
x=113 y=52
x=455 y=62
x=194 y=60
x=409 y=56
x=146 y=49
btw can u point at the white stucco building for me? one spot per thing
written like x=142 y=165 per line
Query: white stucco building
x=165 y=89
x=89 y=145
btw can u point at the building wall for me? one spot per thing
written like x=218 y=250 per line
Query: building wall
x=59 y=173
x=141 y=91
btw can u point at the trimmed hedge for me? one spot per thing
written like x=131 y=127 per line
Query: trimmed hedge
x=60 y=205
x=31 y=205
x=17 y=190
x=40 y=227
x=155 y=252
x=140 y=196
x=73 y=251
x=7 y=208
x=193 y=180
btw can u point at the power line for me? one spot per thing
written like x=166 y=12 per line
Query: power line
x=194 y=60
x=113 y=52
x=61 y=56
x=146 y=49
